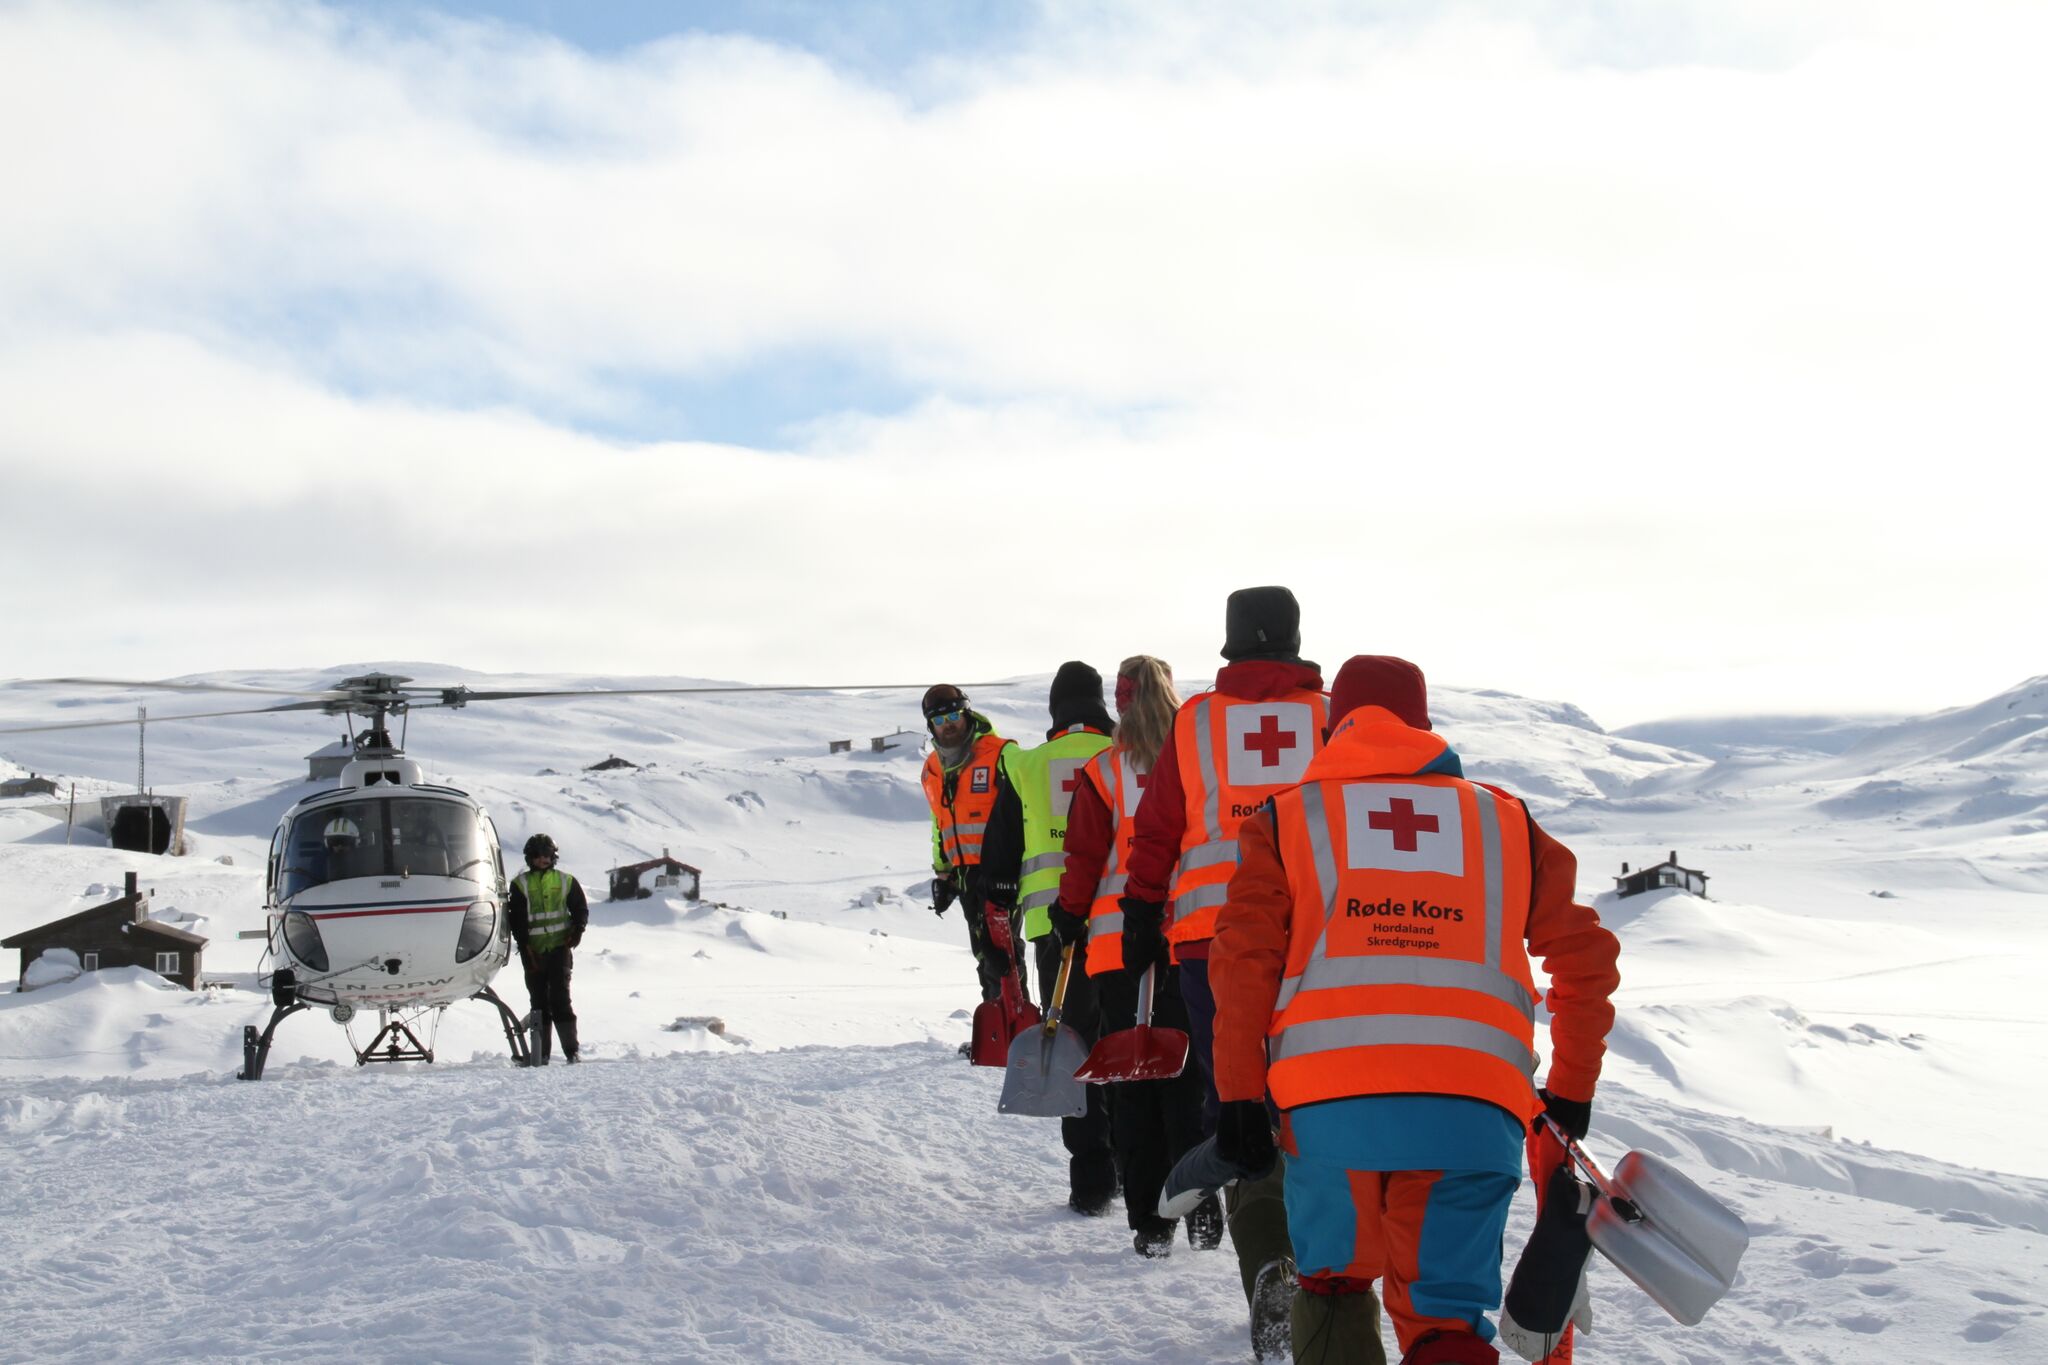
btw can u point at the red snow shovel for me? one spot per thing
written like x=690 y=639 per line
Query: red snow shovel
x=998 y=1021
x=1039 y=1079
x=1143 y=1053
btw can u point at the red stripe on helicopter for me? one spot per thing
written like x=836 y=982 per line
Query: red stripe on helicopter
x=402 y=910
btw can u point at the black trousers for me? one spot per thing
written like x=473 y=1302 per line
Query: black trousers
x=547 y=988
x=1091 y=1157
x=1152 y=1123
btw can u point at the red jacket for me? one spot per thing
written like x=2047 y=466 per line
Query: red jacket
x=1249 y=955
x=1090 y=828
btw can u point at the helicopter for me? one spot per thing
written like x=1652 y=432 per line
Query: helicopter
x=388 y=892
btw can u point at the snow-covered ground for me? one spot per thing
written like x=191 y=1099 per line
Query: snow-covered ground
x=825 y=1179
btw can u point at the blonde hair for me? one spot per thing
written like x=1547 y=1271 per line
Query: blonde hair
x=1144 y=727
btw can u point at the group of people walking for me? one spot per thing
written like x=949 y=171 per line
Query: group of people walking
x=1304 y=881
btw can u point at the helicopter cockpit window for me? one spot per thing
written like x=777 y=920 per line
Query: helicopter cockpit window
x=398 y=837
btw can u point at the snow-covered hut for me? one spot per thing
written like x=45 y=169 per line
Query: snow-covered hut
x=637 y=881
x=899 y=740
x=1667 y=873
x=32 y=785
x=119 y=933
x=325 y=763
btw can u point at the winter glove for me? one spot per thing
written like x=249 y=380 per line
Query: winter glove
x=1244 y=1136
x=1144 y=933
x=1574 y=1116
x=1535 y=1346
x=1068 y=929
x=1547 y=1290
x=576 y=939
x=996 y=960
x=944 y=892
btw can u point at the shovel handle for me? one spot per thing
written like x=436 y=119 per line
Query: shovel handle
x=1622 y=1204
x=1145 y=995
x=1059 y=992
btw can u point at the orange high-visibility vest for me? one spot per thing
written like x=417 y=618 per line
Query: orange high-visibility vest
x=1121 y=784
x=1406 y=968
x=1234 y=753
x=960 y=808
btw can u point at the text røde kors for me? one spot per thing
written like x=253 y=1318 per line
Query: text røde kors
x=1394 y=909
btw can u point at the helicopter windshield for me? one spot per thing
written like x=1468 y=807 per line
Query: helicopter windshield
x=400 y=836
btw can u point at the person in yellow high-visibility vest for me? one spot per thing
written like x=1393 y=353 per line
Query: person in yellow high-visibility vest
x=548 y=913
x=1022 y=861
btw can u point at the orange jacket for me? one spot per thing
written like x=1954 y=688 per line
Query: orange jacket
x=1265 y=932
x=1233 y=753
x=961 y=799
x=1114 y=790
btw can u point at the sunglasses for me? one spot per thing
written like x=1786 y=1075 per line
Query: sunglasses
x=938 y=718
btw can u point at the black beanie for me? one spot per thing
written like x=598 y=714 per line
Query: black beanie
x=1075 y=682
x=1262 y=623
x=942 y=697
x=1076 y=698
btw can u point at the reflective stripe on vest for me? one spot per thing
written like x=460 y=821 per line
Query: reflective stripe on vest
x=1234 y=754
x=1121 y=785
x=961 y=814
x=547 y=907
x=1426 y=882
x=1044 y=779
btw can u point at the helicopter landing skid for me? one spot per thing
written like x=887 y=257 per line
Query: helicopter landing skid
x=255 y=1047
x=395 y=1042
x=515 y=1032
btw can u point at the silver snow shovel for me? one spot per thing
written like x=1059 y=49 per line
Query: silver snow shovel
x=1039 y=1078
x=1678 y=1243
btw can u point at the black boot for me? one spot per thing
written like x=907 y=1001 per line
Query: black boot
x=1153 y=1238
x=1273 y=1292
x=1205 y=1223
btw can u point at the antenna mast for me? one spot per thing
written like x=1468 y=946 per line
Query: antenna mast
x=141 y=753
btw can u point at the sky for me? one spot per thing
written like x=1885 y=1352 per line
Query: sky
x=1669 y=359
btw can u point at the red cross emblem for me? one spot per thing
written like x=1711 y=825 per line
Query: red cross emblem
x=1400 y=820
x=1073 y=780
x=1269 y=740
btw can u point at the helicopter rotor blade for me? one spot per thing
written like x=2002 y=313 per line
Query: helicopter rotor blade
x=167 y=686
x=160 y=720
x=469 y=695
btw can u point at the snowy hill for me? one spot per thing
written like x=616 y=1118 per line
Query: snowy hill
x=1865 y=972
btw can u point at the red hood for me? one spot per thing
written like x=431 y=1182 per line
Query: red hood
x=1263 y=679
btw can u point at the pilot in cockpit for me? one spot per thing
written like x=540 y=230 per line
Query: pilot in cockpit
x=344 y=848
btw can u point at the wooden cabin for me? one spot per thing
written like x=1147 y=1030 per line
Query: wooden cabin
x=1665 y=874
x=117 y=934
x=32 y=785
x=637 y=881
x=325 y=763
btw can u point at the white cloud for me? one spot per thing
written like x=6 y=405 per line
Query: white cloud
x=1659 y=384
